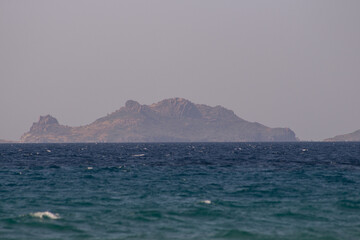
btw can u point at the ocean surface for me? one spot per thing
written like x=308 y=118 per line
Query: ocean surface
x=180 y=191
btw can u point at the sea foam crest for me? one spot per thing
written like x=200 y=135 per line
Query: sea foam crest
x=138 y=155
x=206 y=201
x=45 y=214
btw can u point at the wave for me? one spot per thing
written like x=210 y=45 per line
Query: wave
x=206 y=201
x=45 y=214
x=138 y=155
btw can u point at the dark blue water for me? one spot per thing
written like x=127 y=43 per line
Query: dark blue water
x=180 y=191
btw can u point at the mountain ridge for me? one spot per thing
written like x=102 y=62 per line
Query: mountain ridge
x=170 y=120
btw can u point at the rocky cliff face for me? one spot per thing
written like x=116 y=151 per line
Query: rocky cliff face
x=170 y=120
x=350 y=137
x=47 y=129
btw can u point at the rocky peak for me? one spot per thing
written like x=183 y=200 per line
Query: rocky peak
x=44 y=123
x=48 y=119
x=176 y=108
x=132 y=106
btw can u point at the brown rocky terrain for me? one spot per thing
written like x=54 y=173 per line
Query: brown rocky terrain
x=170 y=120
x=350 y=137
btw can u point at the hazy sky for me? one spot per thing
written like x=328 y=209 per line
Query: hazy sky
x=282 y=63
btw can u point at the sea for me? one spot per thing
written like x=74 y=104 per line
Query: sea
x=304 y=190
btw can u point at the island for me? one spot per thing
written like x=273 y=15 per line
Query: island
x=350 y=137
x=170 y=120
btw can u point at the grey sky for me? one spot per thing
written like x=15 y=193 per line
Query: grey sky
x=281 y=63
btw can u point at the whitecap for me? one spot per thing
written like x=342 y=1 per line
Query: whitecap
x=90 y=168
x=304 y=150
x=45 y=214
x=206 y=201
x=138 y=155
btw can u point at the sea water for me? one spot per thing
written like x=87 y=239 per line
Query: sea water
x=180 y=191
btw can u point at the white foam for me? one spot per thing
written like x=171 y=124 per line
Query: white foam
x=90 y=168
x=206 y=201
x=304 y=150
x=138 y=155
x=45 y=214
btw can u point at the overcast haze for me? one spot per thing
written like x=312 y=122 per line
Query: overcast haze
x=283 y=63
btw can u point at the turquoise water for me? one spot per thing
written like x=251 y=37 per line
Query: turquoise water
x=180 y=191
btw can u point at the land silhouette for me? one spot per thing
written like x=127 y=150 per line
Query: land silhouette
x=349 y=137
x=170 y=120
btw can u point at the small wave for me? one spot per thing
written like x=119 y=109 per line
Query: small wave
x=45 y=214
x=206 y=201
x=138 y=155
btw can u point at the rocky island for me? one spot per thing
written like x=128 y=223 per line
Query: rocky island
x=350 y=137
x=170 y=120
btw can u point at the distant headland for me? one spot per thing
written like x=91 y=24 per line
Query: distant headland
x=350 y=137
x=170 y=120
x=6 y=141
